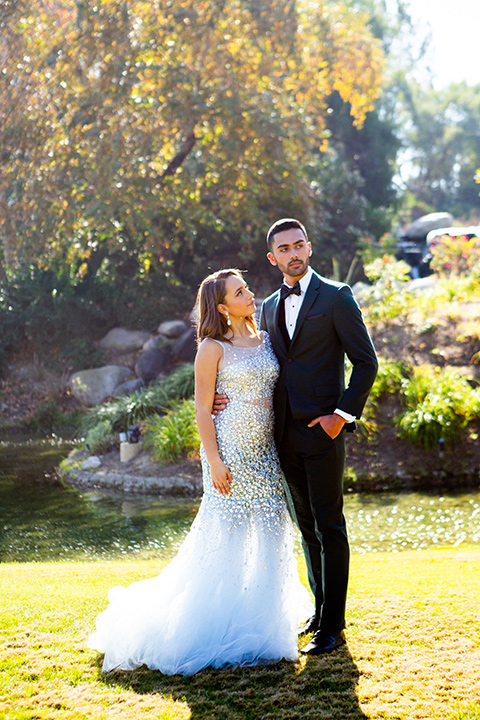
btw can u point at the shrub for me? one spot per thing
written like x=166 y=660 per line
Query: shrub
x=49 y=417
x=172 y=437
x=154 y=399
x=388 y=297
x=389 y=381
x=100 y=439
x=440 y=403
x=11 y=330
x=453 y=256
x=370 y=250
x=78 y=353
x=59 y=309
x=128 y=410
x=180 y=384
x=390 y=378
x=456 y=289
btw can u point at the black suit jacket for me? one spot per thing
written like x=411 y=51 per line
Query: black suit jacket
x=312 y=374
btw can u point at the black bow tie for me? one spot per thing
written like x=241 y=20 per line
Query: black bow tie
x=285 y=290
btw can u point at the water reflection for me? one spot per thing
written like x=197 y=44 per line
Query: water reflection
x=412 y=521
x=47 y=521
x=42 y=519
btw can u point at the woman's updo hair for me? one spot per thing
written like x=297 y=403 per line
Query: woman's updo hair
x=211 y=322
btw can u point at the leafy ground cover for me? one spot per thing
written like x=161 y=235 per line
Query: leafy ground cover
x=413 y=650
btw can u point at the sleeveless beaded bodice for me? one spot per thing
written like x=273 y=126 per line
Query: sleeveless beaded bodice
x=245 y=431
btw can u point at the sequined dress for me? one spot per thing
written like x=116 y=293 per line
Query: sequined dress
x=231 y=596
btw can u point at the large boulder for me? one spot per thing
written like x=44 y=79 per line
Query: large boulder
x=90 y=387
x=156 y=342
x=91 y=463
x=421 y=284
x=185 y=348
x=420 y=227
x=151 y=363
x=122 y=341
x=172 y=328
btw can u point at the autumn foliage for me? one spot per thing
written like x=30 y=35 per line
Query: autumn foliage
x=165 y=135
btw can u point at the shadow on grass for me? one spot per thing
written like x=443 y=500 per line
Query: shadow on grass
x=312 y=688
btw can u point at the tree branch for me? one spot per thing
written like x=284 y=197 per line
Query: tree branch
x=182 y=154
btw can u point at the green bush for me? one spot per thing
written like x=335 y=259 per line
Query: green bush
x=390 y=378
x=60 y=309
x=172 y=437
x=180 y=384
x=440 y=404
x=154 y=399
x=100 y=439
x=452 y=289
x=453 y=256
x=389 y=381
x=388 y=297
x=370 y=249
x=169 y=427
x=78 y=353
x=11 y=330
x=49 y=306
x=48 y=417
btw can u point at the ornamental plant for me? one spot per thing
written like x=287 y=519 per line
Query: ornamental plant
x=172 y=437
x=439 y=404
x=388 y=297
x=132 y=409
x=453 y=256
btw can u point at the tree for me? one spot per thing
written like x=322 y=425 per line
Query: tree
x=354 y=180
x=357 y=196
x=444 y=140
x=163 y=136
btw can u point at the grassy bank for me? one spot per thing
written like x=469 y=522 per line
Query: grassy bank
x=413 y=650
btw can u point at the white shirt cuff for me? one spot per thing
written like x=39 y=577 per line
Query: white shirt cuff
x=346 y=416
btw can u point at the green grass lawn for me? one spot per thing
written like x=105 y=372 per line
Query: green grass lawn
x=413 y=650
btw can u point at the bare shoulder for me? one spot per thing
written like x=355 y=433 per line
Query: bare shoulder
x=209 y=351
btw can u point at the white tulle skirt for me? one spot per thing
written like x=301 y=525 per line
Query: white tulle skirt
x=231 y=596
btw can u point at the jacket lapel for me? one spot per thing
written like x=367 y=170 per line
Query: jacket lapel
x=308 y=300
x=278 y=341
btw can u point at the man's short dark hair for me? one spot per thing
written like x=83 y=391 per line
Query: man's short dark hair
x=284 y=224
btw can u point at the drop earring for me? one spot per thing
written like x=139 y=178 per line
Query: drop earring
x=229 y=322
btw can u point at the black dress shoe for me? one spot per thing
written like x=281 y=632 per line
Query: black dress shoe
x=324 y=642
x=310 y=626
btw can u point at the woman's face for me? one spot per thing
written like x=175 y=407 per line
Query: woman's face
x=239 y=300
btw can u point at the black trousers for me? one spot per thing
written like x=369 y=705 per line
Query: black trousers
x=313 y=464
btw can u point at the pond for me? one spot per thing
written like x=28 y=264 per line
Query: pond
x=44 y=519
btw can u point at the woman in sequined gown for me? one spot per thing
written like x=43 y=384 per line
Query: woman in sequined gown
x=231 y=596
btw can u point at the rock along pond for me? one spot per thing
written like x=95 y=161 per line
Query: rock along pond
x=42 y=518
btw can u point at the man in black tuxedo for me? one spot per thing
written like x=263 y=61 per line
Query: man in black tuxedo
x=313 y=323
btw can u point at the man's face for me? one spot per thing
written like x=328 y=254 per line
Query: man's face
x=290 y=252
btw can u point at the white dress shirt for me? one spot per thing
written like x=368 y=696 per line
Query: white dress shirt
x=293 y=303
